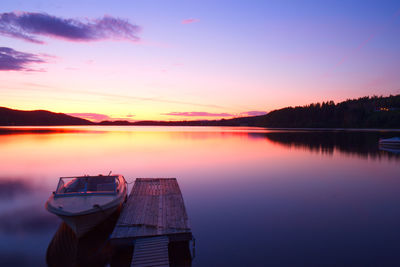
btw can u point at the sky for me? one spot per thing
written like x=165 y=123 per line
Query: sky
x=186 y=60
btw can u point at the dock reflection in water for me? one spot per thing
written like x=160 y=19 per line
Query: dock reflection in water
x=95 y=249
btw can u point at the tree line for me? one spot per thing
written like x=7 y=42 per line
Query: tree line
x=364 y=112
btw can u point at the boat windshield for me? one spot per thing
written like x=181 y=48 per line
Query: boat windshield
x=87 y=185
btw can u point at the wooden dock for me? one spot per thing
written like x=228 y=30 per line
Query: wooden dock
x=151 y=251
x=153 y=216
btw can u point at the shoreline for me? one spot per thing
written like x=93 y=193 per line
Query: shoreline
x=59 y=128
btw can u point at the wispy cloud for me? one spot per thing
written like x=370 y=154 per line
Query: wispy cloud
x=253 y=113
x=355 y=50
x=188 y=21
x=116 y=97
x=198 y=114
x=13 y=60
x=28 y=26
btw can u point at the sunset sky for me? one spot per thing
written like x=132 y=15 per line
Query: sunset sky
x=175 y=60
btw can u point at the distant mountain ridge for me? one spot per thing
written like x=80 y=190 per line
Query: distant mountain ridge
x=364 y=112
x=12 y=117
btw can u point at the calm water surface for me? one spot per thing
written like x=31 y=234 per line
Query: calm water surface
x=255 y=197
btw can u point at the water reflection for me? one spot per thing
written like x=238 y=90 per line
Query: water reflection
x=252 y=195
x=25 y=227
x=11 y=188
x=93 y=249
x=390 y=150
x=26 y=220
x=43 y=130
x=363 y=144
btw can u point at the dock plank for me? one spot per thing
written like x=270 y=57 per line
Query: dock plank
x=154 y=207
x=152 y=251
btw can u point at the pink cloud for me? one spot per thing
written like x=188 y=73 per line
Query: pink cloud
x=13 y=60
x=121 y=119
x=253 y=113
x=198 y=114
x=188 y=21
x=96 y=117
x=30 y=26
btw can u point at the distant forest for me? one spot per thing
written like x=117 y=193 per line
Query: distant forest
x=364 y=112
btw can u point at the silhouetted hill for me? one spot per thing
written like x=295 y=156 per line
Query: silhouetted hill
x=11 y=117
x=119 y=122
x=365 y=112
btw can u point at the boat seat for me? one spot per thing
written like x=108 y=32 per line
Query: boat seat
x=106 y=187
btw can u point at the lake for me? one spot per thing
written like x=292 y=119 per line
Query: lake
x=254 y=196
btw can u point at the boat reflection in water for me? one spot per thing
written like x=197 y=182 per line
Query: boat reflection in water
x=390 y=145
x=390 y=150
x=92 y=249
x=95 y=249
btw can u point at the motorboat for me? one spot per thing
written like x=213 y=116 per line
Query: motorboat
x=389 y=149
x=83 y=202
x=393 y=142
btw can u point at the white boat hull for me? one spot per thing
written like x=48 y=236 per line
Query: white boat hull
x=83 y=211
x=82 y=224
x=390 y=142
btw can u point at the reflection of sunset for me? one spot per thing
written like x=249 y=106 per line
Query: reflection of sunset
x=139 y=151
x=149 y=151
x=318 y=193
x=246 y=179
